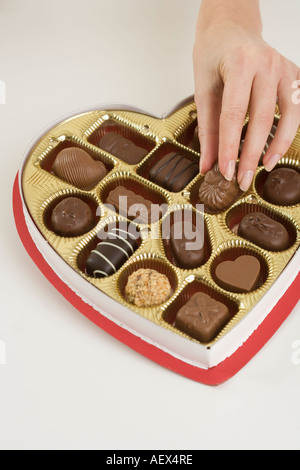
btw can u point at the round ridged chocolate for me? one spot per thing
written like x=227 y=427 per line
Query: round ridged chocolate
x=111 y=253
x=215 y=192
x=72 y=217
x=122 y=148
x=282 y=187
x=78 y=168
x=264 y=231
x=174 y=172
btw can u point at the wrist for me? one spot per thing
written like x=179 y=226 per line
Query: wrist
x=244 y=14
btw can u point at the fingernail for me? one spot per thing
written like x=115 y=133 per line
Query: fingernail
x=201 y=166
x=230 y=169
x=272 y=161
x=246 y=180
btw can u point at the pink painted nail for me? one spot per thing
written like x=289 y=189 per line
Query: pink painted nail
x=272 y=161
x=246 y=180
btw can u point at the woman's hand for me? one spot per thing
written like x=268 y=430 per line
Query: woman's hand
x=236 y=71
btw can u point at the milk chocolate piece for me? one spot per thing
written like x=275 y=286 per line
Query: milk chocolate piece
x=130 y=205
x=147 y=288
x=195 y=142
x=173 y=172
x=122 y=148
x=241 y=275
x=216 y=193
x=72 y=217
x=202 y=317
x=111 y=253
x=77 y=167
x=187 y=245
x=282 y=187
x=264 y=231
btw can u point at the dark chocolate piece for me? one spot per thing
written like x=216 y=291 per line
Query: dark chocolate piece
x=282 y=187
x=122 y=148
x=187 y=244
x=111 y=253
x=72 y=217
x=241 y=275
x=78 y=168
x=130 y=205
x=264 y=231
x=216 y=193
x=173 y=172
x=195 y=142
x=202 y=317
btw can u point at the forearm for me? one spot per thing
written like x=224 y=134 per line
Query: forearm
x=244 y=13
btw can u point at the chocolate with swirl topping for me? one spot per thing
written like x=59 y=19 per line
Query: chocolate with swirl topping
x=216 y=193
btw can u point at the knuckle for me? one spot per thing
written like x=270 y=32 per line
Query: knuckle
x=263 y=119
x=234 y=114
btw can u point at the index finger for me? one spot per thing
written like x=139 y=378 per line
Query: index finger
x=235 y=103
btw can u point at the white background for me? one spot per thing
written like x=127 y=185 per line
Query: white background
x=66 y=384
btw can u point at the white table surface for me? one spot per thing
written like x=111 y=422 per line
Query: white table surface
x=64 y=383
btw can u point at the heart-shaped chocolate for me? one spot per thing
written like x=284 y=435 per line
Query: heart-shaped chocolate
x=240 y=275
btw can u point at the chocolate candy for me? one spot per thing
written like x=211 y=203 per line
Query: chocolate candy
x=72 y=217
x=241 y=275
x=195 y=143
x=264 y=231
x=187 y=245
x=147 y=288
x=78 y=168
x=282 y=187
x=111 y=253
x=122 y=148
x=173 y=172
x=130 y=205
x=216 y=193
x=202 y=317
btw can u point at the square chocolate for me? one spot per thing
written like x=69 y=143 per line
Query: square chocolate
x=202 y=317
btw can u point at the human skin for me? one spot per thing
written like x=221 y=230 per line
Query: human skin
x=236 y=71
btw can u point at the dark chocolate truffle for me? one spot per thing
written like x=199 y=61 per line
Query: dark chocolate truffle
x=187 y=245
x=78 y=168
x=240 y=275
x=264 y=231
x=202 y=317
x=122 y=148
x=216 y=193
x=111 y=253
x=174 y=172
x=72 y=217
x=130 y=205
x=282 y=187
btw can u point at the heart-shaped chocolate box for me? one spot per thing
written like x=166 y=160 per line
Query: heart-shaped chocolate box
x=254 y=316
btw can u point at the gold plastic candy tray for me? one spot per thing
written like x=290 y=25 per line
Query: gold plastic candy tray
x=151 y=331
